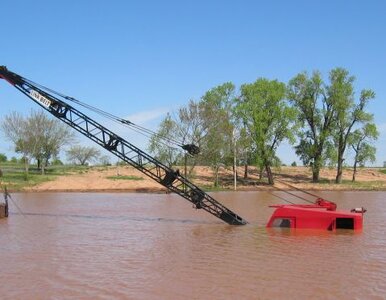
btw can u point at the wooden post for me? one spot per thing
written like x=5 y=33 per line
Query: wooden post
x=2 y=210
x=3 y=206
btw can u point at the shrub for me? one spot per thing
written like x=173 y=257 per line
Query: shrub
x=3 y=157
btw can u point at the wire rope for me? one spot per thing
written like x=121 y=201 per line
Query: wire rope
x=165 y=140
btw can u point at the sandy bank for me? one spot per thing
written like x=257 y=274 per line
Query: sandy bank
x=96 y=180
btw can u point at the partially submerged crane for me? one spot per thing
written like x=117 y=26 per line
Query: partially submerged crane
x=55 y=103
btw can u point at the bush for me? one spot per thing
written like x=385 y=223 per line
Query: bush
x=3 y=157
x=294 y=164
x=57 y=162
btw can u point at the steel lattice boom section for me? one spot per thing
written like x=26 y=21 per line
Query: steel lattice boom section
x=134 y=156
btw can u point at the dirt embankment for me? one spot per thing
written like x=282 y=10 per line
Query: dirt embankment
x=96 y=180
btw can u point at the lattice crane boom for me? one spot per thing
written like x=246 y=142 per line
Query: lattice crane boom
x=118 y=146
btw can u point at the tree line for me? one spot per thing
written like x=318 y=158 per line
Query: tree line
x=40 y=138
x=320 y=118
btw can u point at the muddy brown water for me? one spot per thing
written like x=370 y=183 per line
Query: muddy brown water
x=153 y=246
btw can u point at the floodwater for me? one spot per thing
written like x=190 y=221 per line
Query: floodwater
x=156 y=246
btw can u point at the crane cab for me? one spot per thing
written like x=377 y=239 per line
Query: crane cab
x=321 y=215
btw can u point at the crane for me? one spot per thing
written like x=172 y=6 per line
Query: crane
x=56 y=104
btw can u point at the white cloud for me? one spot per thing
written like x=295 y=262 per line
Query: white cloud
x=143 y=117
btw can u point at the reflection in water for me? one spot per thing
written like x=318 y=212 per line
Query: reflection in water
x=139 y=246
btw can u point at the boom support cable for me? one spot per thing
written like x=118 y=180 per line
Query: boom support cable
x=165 y=140
x=297 y=189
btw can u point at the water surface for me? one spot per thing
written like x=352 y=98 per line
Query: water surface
x=153 y=246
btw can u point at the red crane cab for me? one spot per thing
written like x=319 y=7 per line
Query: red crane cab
x=321 y=215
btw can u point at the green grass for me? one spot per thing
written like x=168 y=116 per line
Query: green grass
x=15 y=177
x=365 y=185
x=18 y=181
x=357 y=185
x=124 y=177
x=212 y=188
x=383 y=171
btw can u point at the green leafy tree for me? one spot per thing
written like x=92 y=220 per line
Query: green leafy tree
x=15 y=129
x=268 y=117
x=216 y=115
x=360 y=141
x=348 y=113
x=316 y=113
x=36 y=136
x=3 y=158
x=57 y=162
x=185 y=128
x=206 y=124
x=46 y=137
x=192 y=129
x=158 y=143
x=244 y=146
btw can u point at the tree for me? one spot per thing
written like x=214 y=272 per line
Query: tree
x=186 y=127
x=82 y=154
x=347 y=113
x=190 y=129
x=3 y=157
x=57 y=162
x=315 y=115
x=268 y=117
x=45 y=137
x=36 y=136
x=206 y=124
x=15 y=129
x=244 y=145
x=105 y=160
x=215 y=112
x=160 y=148
x=360 y=142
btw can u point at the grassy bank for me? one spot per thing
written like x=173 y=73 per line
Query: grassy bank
x=16 y=178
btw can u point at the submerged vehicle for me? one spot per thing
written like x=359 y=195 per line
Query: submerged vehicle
x=318 y=214
x=321 y=215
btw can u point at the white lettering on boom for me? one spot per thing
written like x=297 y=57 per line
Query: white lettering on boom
x=40 y=98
